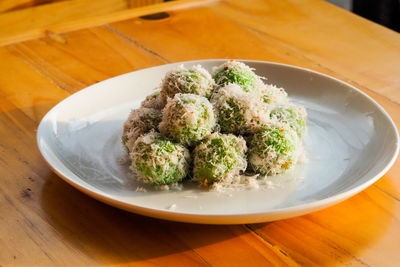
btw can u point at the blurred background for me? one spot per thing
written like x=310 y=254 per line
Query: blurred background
x=384 y=12
x=38 y=12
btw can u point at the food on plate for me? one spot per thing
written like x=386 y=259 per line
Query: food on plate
x=238 y=73
x=219 y=156
x=140 y=121
x=187 y=119
x=159 y=161
x=155 y=100
x=239 y=112
x=273 y=95
x=195 y=80
x=293 y=115
x=224 y=129
x=274 y=149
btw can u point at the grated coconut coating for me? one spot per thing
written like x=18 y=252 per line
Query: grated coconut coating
x=293 y=115
x=273 y=95
x=159 y=161
x=274 y=149
x=239 y=112
x=238 y=73
x=219 y=157
x=195 y=80
x=155 y=100
x=139 y=121
x=187 y=119
x=240 y=104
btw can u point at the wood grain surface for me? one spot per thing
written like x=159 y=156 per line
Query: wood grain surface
x=46 y=222
x=40 y=21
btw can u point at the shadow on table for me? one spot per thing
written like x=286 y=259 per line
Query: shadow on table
x=110 y=235
x=343 y=233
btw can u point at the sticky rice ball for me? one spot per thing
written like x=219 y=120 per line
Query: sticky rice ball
x=159 y=161
x=293 y=115
x=195 y=80
x=273 y=95
x=219 y=156
x=187 y=119
x=239 y=112
x=155 y=100
x=274 y=149
x=139 y=121
x=237 y=73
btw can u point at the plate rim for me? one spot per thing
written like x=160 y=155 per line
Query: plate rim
x=250 y=217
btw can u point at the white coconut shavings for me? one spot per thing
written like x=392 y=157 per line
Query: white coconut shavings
x=141 y=189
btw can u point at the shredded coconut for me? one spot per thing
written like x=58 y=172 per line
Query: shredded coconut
x=195 y=80
x=141 y=189
x=187 y=118
x=238 y=111
x=241 y=104
x=155 y=100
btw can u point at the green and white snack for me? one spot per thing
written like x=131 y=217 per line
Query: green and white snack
x=239 y=112
x=273 y=95
x=238 y=73
x=274 y=149
x=219 y=156
x=140 y=121
x=159 y=161
x=195 y=80
x=227 y=130
x=293 y=115
x=187 y=119
x=155 y=100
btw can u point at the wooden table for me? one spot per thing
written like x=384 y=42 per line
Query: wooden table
x=44 y=221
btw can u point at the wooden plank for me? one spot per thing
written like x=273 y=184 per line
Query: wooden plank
x=46 y=222
x=357 y=232
x=139 y=3
x=8 y=5
x=52 y=223
x=338 y=40
x=53 y=217
x=18 y=22
x=68 y=16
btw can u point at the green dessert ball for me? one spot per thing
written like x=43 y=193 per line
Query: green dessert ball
x=140 y=121
x=239 y=112
x=187 y=119
x=237 y=73
x=219 y=156
x=195 y=80
x=273 y=150
x=293 y=115
x=155 y=100
x=273 y=95
x=159 y=161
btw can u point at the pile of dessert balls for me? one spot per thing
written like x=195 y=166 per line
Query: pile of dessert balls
x=213 y=127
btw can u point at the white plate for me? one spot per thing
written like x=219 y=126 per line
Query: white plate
x=351 y=143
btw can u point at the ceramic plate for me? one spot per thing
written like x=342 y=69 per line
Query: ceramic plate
x=351 y=143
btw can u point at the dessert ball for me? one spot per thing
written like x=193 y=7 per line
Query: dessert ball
x=237 y=73
x=155 y=100
x=159 y=161
x=273 y=95
x=195 y=80
x=293 y=115
x=187 y=119
x=139 y=121
x=219 y=156
x=239 y=112
x=273 y=150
